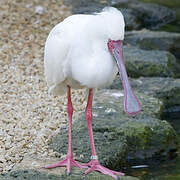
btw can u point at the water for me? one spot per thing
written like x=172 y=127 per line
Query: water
x=167 y=170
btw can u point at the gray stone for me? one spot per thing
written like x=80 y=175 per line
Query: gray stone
x=150 y=63
x=137 y=14
x=118 y=137
x=28 y=174
x=165 y=89
x=131 y=20
x=76 y=174
x=39 y=9
x=156 y=40
x=122 y=3
x=31 y=168
x=87 y=7
x=153 y=16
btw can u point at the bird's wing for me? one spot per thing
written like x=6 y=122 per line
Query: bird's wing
x=55 y=55
x=57 y=47
x=54 y=59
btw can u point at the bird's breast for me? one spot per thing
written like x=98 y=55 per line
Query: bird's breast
x=94 y=70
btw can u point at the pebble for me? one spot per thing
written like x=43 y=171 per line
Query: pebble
x=39 y=9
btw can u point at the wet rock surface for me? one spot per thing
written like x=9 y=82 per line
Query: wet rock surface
x=31 y=168
x=131 y=19
x=155 y=40
x=76 y=175
x=150 y=63
x=145 y=15
x=167 y=90
x=118 y=137
x=152 y=15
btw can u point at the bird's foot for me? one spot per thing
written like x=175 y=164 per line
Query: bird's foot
x=95 y=166
x=68 y=162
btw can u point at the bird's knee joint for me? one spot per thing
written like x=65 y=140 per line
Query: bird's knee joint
x=88 y=114
x=70 y=109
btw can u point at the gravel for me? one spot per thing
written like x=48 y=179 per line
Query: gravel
x=29 y=117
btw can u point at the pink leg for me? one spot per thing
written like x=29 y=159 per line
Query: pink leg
x=94 y=164
x=69 y=160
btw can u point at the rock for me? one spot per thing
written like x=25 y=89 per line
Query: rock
x=156 y=40
x=120 y=138
x=31 y=169
x=27 y=174
x=39 y=9
x=150 y=63
x=88 y=9
x=168 y=3
x=76 y=175
x=151 y=15
x=137 y=14
x=121 y=3
x=165 y=89
x=131 y=20
x=85 y=6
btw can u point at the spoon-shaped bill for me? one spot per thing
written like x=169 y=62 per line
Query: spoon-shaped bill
x=131 y=104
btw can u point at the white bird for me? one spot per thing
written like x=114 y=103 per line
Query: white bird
x=86 y=51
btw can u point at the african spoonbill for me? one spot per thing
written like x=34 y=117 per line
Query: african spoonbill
x=86 y=51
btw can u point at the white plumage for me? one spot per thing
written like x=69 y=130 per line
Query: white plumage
x=86 y=51
x=76 y=51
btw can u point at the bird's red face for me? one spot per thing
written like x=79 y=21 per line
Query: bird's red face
x=112 y=44
x=131 y=103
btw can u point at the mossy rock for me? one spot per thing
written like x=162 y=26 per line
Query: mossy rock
x=119 y=137
x=155 y=40
x=76 y=174
x=168 y=3
x=147 y=15
x=149 y=63
x=167 y=90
